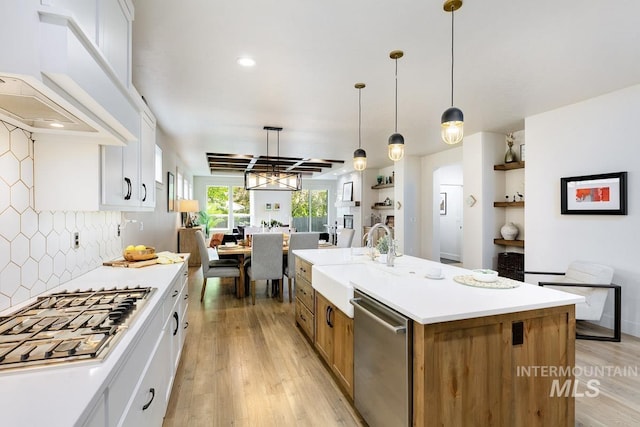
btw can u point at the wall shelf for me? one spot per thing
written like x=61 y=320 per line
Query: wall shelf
x=381 y=186
x=343 y=204
x=508 y=204
x=515 y=243
x=509 y=166
x=381 y=208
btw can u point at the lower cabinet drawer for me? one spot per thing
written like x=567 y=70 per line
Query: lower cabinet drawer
x=305 y=319
x=304 y=292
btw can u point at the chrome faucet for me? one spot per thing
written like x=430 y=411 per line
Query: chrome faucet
x=392 y=247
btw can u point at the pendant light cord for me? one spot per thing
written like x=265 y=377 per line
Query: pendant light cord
x=452 y=13
x=278 y=153
x=396 y=129
x=359 y=116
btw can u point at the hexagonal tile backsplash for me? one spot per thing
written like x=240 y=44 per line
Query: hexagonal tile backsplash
x=36 y=252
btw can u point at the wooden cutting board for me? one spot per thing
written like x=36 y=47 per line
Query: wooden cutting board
x=130 y=264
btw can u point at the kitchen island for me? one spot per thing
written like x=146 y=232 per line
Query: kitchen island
x=470 y=345
x=131 y=385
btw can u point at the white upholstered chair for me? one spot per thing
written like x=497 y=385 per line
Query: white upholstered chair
x=298 y=241
x=215 y=267
x=345 y=237
x=593 y=282
x=266 y=259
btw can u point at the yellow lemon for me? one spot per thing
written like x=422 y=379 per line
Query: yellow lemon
x=140 y=248
x=129 y=248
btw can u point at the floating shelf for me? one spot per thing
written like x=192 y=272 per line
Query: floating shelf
x=347 y=204
x=503 y=242
x=508 y=166
x=381 y=186
x=382 y=208
x=508 y=204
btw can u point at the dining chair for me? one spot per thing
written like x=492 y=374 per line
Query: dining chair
x=345 y=237
x=215 y=267
x=266 y=259
x=593 y=282
x=298 y=241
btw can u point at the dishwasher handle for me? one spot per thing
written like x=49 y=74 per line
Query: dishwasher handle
x=355 y=302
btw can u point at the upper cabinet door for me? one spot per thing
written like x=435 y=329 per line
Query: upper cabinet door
x=147 y=161
x=114 y=38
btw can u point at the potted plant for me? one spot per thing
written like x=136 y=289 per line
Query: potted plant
x=383 y=247
x=203 y=219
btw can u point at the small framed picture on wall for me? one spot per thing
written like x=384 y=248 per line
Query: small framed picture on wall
x=443 y=203
x=268 y=207
x=276 y=206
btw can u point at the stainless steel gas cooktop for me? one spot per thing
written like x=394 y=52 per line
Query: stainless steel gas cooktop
x=68 y=326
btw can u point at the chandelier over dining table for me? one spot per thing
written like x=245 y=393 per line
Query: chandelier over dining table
x=273 y=175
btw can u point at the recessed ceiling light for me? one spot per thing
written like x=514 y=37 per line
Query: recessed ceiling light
x=245 y=61
x=56 y=125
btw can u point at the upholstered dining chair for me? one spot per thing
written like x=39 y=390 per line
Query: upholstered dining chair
x=215 y=267
x=593 y=282
x=298 y=241
x=266 y=259
x=345 y=237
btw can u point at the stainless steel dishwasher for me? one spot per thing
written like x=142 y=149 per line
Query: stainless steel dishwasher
x=382 y=363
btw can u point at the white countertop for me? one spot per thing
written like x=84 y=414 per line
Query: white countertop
x=58 y=395
x=406 y=289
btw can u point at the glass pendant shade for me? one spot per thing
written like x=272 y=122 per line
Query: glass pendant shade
x=396 y=147
x=452 y=130
x=359 y=159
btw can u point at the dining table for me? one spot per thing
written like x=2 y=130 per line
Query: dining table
x=241 y=251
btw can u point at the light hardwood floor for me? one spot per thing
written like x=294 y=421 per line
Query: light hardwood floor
x=245 y=365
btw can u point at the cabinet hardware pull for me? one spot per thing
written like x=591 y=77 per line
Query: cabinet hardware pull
x=128 y=195
x=186 y=325
x=175 y=316
x=144 y=186
x=175 y=293
x=186 y=296
x=328 y=316
x=153 y=395
x=303 y=318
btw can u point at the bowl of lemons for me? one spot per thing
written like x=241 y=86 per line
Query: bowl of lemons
x=138 y=253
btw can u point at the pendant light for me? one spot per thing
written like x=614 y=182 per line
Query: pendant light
x=452 y=130
x=396 y=141
x=359 y=156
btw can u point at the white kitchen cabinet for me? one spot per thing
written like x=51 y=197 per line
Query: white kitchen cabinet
x=147 y=160
x=148 y=404
x=72 y=175
x=128 y=173
x=139 y=393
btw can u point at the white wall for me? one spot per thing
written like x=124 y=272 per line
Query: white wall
x=451 y=179
x=429 y=202
x=595 y=136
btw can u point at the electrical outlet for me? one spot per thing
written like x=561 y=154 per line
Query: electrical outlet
x=76 y=240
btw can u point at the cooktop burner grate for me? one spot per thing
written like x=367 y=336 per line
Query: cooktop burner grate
x=68 y=326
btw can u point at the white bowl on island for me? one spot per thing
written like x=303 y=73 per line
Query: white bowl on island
x=485 y=275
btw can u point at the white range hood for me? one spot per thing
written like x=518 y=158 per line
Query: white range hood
x=58 y=84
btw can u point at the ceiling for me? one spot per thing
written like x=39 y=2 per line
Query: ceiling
x=513 y=59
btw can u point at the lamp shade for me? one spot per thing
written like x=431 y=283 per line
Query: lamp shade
x=396 y=147
x=188 y=206
x=452 y=128
x=359 y=159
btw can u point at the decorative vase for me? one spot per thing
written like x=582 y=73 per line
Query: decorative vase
x=509 y=231
x=382 y=258
x=510 y=155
